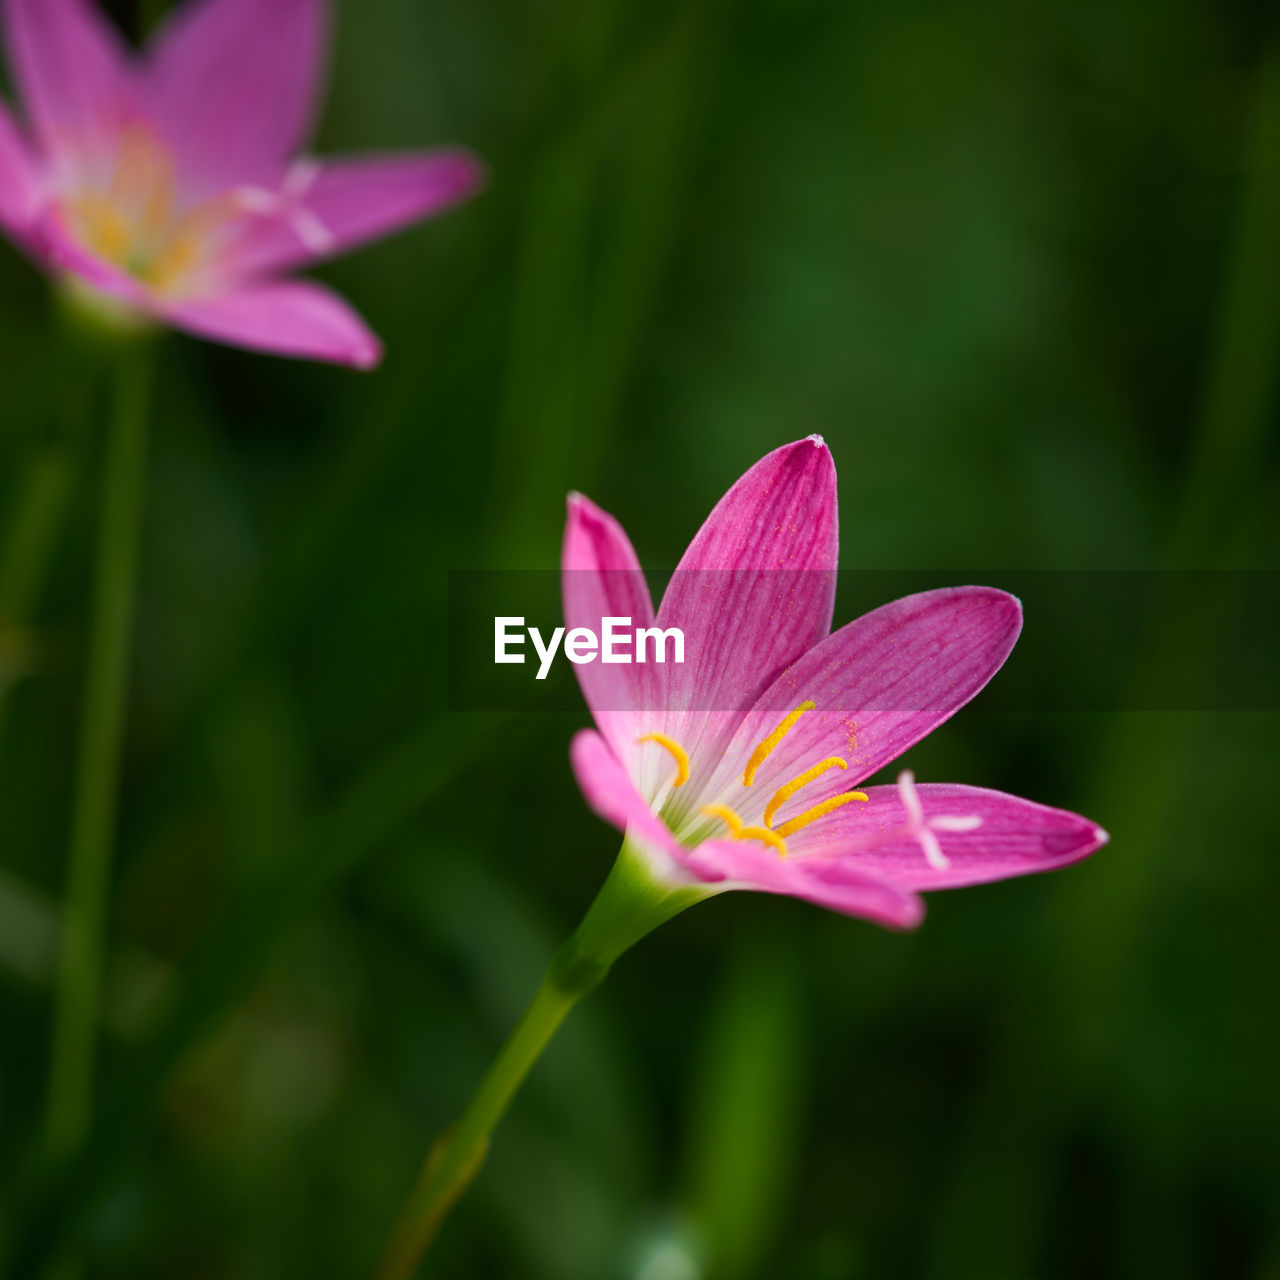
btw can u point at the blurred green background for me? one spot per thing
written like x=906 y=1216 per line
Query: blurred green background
x=1020 y=264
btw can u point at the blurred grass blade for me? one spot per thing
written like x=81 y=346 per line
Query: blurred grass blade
x=31 y=535
x=539 y=413
x=33 y=525
x=1094 y=948
x=746 y=1110
x=1240 y=391
x=82 y=943
x=652 y=190
x=237 y=947
x=578 y=324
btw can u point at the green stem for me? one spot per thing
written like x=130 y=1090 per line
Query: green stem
x=631 y=903
x=456 y=1158
x=1243 y=372
x=1088 y=969
x=94 y=812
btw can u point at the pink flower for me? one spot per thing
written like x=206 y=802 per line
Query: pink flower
x=736 y=769
x=171 y=181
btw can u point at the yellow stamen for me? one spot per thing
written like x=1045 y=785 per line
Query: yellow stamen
x=187 y=245
x=738 y=832
x=784 y=793
x=181 y=254
x=771 y=838
x=143 y=186
x=726 y=815
x=135 y=163
x=174 y=261
x=760 y=754
x=818 y=810
x=134 y=219
x=678 y=753
x=157 y=201
x=103 y=227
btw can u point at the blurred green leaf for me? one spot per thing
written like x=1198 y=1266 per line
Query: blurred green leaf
x=748 y=1108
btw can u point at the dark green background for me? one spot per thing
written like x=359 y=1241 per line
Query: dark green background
x=1020 y=264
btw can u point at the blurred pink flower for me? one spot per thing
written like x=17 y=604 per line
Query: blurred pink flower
x=171 y=180
x=734 y=770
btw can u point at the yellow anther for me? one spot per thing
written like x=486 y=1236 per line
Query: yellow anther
x=819 y=810
x=784 y=793
x=102 y=226
x=134 y=219
x=760 y=754
x=137 y=160
x=187 y=246
x=678 y=754
x=156 y=206
x=180 y=255
x=771 y=838
x=725 y=814
x=738 y=832
x=142 y=187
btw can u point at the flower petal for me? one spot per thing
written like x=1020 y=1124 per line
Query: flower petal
x=344 y=203
x=19 y=187
x=289 y=317
x=602 y=578
x=728 y=864
x=1016 y=837
x=754 y=590
x=232 y=85
x=829 y=883
x=612 y=796
x=52 y=244
x=879 y=685
x=74 y=74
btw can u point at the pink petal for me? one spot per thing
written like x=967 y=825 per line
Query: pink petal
x=58 y=249
x=73 y=72
x=345 y=203
x=1017 y=837
x=232 y=85
x=19 y=188
x=600 y=578
x=827 y=882
x=879 y=685
x=289 y=318
x=612 y=796
x=733 y=864
x=754 y=590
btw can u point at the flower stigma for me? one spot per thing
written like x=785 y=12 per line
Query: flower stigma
x=922 y=830
x=288 y=206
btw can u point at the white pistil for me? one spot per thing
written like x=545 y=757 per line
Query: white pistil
x=971 y=823
x=288 y=206
x=301 y=176
x=312 y=232
x=923 y=830
x=256 y=200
